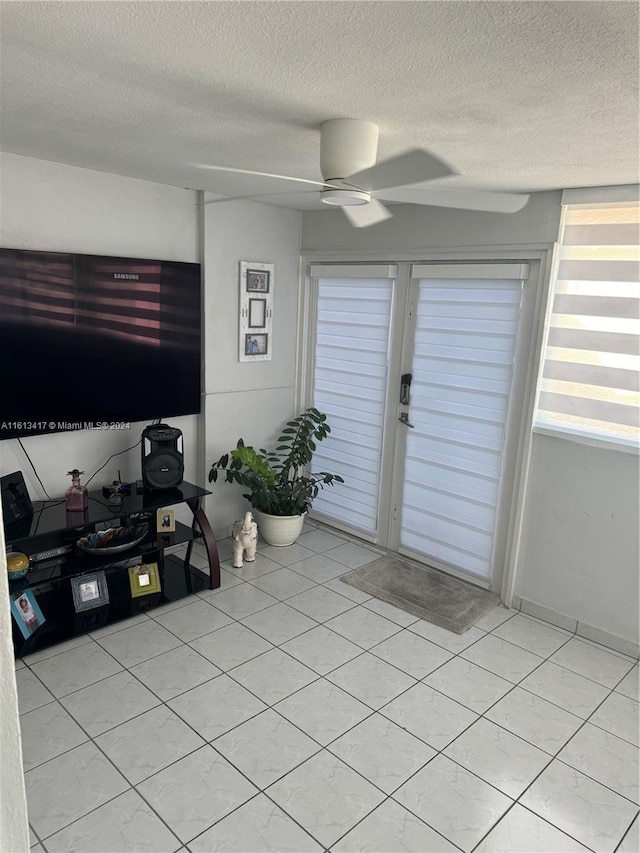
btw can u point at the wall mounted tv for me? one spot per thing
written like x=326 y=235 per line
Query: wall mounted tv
x=87 y=339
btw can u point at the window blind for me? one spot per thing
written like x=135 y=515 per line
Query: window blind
x=350 y=376
x=462 y=370
x=590 y=376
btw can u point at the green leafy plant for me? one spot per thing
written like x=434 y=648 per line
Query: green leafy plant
x=278 y=481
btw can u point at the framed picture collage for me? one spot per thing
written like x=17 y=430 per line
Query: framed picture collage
x=256 y=311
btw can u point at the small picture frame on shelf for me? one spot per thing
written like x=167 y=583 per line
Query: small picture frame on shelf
x=27 y=614
x=165 y=520
x=144 y=579
x=89 y=591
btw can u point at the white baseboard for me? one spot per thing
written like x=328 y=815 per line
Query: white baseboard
x=612 y=641
x=580 y=629
x=554 y=617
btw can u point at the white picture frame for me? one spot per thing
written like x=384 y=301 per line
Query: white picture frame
x=257 y=314
x=255 y=339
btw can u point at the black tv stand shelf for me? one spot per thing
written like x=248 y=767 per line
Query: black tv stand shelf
x=49 y=538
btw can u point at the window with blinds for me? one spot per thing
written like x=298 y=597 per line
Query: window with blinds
x=349 y=385
x=590 y=377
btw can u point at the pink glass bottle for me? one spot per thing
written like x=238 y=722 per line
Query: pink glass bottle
x=76 y=496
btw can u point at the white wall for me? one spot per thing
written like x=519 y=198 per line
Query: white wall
x=413 y=228
x=580 y=541
x=53 y=207
x=579 y=550
x=244 y=399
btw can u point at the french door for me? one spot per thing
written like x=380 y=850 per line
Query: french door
x=415 y=366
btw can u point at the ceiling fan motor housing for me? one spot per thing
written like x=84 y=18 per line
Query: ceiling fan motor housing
x=347 y=146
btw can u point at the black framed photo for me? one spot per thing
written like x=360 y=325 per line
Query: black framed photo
x=258 y=281
x=256 y=344
x=89 y=591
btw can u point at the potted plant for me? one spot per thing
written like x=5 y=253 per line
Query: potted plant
x=280 y=488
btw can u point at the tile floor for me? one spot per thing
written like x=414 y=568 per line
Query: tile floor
x=288 y=711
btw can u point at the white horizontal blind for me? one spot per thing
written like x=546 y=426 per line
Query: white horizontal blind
x=350 y=379
x=590 y=377
x=462 y=369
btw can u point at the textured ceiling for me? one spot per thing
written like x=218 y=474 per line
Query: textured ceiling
x=515 y=95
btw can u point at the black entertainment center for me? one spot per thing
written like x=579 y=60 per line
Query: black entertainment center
x=49 y=537
x=95 y=343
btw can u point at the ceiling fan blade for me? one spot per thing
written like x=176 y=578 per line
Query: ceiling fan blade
x=361 y=216
x=256 y=196
x=260 y=174
x=465 y=199
x=412 y=167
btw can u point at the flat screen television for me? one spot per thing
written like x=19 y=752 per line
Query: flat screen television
x=88 y=340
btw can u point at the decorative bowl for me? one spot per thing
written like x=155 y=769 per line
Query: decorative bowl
x=115 y=540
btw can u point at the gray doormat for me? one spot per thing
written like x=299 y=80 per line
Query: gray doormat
x=424 y=592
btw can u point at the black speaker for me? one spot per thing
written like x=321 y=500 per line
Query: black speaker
x=162 y=457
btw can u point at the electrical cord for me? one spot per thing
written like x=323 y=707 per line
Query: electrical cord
x=39 y=512
x=133 y=446
x=119 y=453
x=113 y=455
x=34 y=469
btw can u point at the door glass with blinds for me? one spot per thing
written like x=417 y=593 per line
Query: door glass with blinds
x=590 y=378
x=349 y=385
x=466 y=325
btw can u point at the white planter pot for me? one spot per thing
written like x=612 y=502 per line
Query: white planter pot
x=279 y=530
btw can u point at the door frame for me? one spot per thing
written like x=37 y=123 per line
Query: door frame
x=517 y=452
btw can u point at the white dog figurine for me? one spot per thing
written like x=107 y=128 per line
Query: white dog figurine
x=245 y=540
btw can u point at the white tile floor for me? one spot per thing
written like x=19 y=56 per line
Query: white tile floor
x=288 y=711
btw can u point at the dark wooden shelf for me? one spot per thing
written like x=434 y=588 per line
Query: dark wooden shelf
x=50 y=580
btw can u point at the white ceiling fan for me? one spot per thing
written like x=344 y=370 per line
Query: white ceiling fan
x=356 y=183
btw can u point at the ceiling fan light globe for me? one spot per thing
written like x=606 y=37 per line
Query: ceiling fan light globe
x=345 y=198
